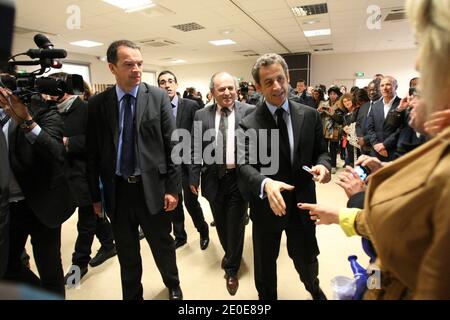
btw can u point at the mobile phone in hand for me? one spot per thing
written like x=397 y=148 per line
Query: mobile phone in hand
x=309 y=170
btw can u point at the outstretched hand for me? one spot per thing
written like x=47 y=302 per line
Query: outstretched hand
x=321 y=214
x=273 y=191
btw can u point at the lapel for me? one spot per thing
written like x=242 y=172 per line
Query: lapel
x=180 y=109
x=379 y=111
x=111 y=108
x=264 y=116
x=212 y=117
x=297 y=117
x=12 y=132
x=239 y=114
x=141 y=105
x=393 y=106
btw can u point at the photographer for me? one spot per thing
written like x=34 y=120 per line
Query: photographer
x=40 y=199
x=4 y=200
x=74 y=113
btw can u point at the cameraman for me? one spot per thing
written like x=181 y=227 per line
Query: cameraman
x=4 y=201
x=74 y=114
x=39 y=196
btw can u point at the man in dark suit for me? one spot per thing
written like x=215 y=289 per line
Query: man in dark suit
x=40 y=199
x=274 y=193
x=4 y=201
x=129 y=146
x=218 y=172
x=184 y=112
x=302 y=93
x=382 y=134
x=192 y=95
x=373 y=91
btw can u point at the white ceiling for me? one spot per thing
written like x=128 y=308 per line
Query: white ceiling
x=257 y=25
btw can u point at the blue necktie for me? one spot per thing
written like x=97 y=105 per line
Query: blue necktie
x=127 y=161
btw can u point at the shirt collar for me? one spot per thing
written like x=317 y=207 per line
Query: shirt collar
x=175 y=101
x=390 y=101
x=121 y=93
x=273 y=108
x=219 y=107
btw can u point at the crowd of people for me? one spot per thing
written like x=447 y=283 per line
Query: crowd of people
x=111 y=157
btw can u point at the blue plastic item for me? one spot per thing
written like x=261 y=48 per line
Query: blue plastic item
x=360 y=275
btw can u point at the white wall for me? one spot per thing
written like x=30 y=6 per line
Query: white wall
x=199 y=75
x=325 y=69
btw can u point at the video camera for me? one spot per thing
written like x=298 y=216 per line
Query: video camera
x=27 y=85
x=243 y=87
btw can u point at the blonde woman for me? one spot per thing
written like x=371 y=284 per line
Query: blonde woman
x=406 y=213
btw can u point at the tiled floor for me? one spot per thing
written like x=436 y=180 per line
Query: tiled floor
x=200 y=273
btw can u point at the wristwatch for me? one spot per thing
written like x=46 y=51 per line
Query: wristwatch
x=27 y=124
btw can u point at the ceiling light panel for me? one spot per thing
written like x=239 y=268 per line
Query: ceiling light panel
x=131 y=5
x=224 y=42
x=317 y=33
x=86 y=44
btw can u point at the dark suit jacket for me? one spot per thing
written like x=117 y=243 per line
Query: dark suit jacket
x=379 y=130
x=4 y=199
x=361 y=122
x=154 y=125
x=196 y=99
x=75 y=124
x=185 y=119
x=208 y=172
x=38 y=167
x=307 y=100
x=309 y=149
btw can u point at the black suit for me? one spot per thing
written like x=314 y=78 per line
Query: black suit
x=38 y=168
x=185 y=118
x=196 y=99
x=307 y=100
x=130 y=205
x=227 y=205
x=4 y=200
x=75 y=123
x=380 y=131
x=361 y=126
x=309 y=149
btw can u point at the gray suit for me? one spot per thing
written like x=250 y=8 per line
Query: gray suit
x=4 y=199
x=209 y=178
x=227 y=204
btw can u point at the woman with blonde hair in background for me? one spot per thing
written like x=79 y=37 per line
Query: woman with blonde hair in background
x=406 y=212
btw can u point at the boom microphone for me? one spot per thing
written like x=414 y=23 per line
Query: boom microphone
x=46 y=53
x=42 y=41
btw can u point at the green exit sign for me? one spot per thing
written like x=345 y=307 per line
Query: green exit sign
x=359 y=74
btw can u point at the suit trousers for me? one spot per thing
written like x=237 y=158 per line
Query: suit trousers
x=266 y=246
x=229 y=210
x=194 y=209
x=131 y=212
x=89 y=225
x=333 y=147
x=46 y=244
